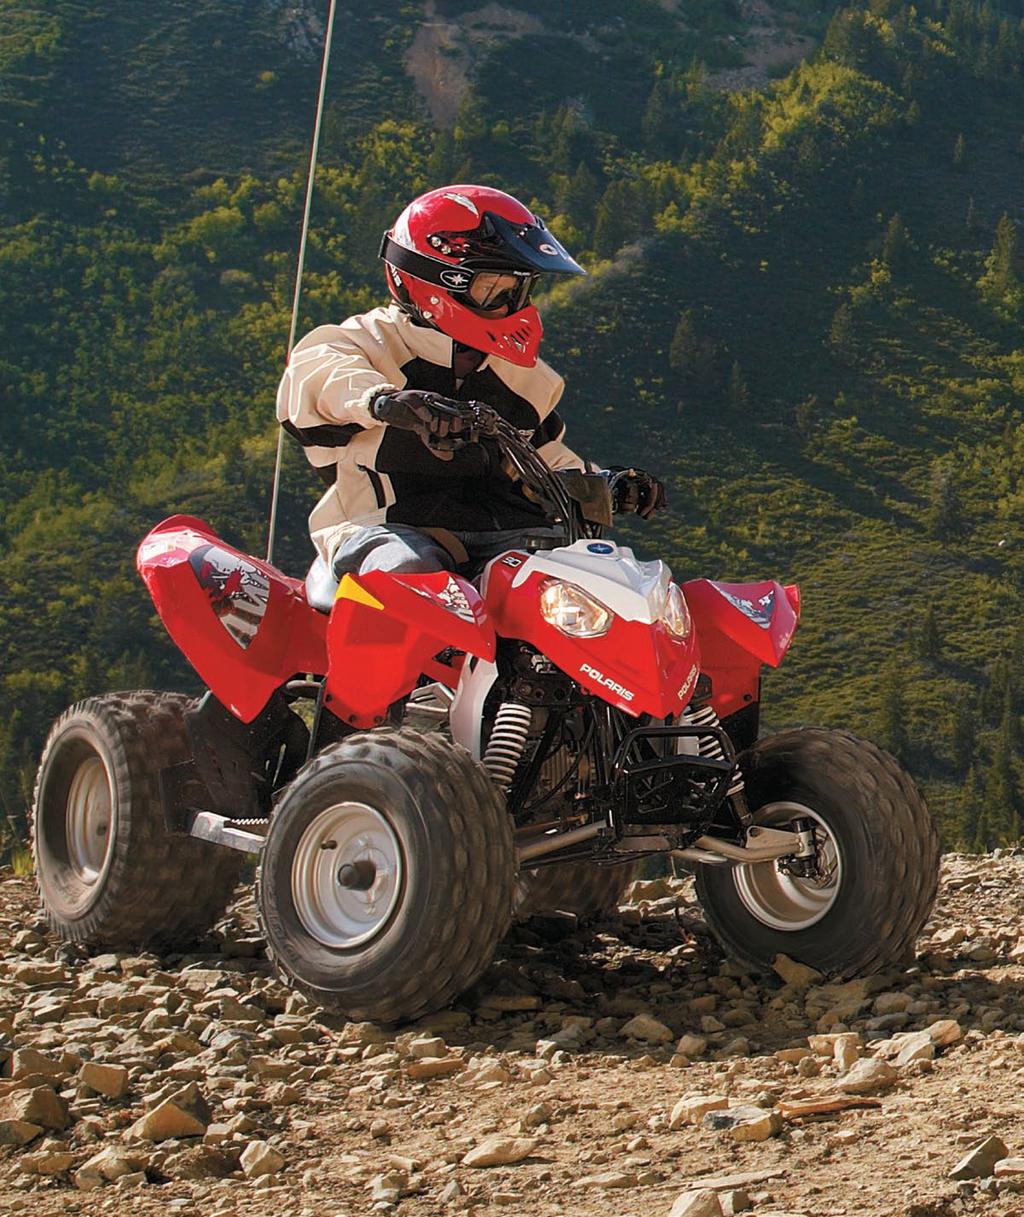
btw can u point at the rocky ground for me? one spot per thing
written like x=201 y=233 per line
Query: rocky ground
x=619 y=1069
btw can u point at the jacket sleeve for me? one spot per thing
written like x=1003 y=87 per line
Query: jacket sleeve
x=548 y=439
x=324 y=396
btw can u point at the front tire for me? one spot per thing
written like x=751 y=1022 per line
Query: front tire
x=878 y=849
x=109 y=870
x=386 y=881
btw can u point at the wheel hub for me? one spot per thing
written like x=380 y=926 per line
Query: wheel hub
x=347 y=874
x=88 y=816
x=788 y=897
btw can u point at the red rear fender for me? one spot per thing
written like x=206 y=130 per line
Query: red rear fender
x=243 y=625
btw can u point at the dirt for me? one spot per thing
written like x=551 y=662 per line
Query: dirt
x=581 y=1105
x=443 y=54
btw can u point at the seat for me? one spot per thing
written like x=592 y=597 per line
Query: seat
x=321 y=586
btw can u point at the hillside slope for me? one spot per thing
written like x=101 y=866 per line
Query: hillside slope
x=804 y=299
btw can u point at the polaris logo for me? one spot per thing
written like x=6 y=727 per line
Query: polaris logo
x=607 y=681
x=455 y=279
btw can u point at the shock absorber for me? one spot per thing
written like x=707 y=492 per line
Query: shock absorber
x=508 y=742
x=710 y=745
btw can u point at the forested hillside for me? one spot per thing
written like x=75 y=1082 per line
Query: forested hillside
x=804 y=307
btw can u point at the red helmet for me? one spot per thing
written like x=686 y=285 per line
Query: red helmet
x=465 y=259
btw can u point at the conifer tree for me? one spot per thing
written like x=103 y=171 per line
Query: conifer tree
x=891 y=730
x=959 y=152
x=896 y=246
x=964 y=733
x=1000 y=822
x=929 y=639
x=737 y=393
x=1000 y=285
x=842 y=331
x=964 y=829
x=944 y=517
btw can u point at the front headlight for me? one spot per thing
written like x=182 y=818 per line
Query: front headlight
x=676 y=614
x=572 y=610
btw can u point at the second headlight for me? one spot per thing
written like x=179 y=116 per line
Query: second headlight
x=572 y=610
x=676 y=614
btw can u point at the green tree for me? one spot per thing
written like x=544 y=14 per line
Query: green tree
x=944 y=515
x=963 y=832
x=959 y=152
x=891 y=732
x=964 y=733
x=999 y=823
x=896 y=246
x=1000 y=285
x=842 y=331
x=929 y=639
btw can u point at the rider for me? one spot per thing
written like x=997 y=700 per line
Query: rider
x=374 y=401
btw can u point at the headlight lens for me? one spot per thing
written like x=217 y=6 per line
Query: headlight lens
x=572 y=610
x=676 y=613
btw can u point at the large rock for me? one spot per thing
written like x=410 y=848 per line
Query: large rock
x=434 y=1067
x=795 y=973
x=259 y=1158
x=945 y=1032
x=112 y=1162
x=980 y=1161
x=41 y=1105
x=644 y=1027
x=111 y=1081
x=19 y=1132
x=692 y=1045
x=746 y=1122
x=500 y=1150
x=46 y=1162
x=867 y=1076
x=184 y=1114
x=27 y=1061
x=696 y=1204
x=692 y=1108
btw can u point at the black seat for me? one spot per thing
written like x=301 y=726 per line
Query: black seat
x=321 y=586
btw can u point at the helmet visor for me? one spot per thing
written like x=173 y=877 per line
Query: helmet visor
x=499 y=293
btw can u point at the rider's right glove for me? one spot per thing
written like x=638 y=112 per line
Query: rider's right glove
x=440 y=423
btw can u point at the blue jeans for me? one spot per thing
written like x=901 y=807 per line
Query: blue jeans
x=404 y=550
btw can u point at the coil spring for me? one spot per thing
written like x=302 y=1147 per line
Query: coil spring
x=508 y=742
x=709 y=745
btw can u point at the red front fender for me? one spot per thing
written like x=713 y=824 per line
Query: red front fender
x=741 y=626
x=385 y=631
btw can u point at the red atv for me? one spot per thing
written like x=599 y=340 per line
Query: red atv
x=416 y=759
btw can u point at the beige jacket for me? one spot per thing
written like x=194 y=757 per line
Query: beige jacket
x=385 y=475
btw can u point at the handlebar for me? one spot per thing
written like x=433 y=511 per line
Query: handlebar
x=484 y=422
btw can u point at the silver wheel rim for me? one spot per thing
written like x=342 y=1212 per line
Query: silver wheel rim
x=783 y=901
x=88 y=820
x=347 y=875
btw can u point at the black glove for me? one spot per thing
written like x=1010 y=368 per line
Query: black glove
x=439 y=422
x=635 y=490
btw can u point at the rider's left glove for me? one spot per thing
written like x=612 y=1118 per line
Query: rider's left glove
x=635 y=490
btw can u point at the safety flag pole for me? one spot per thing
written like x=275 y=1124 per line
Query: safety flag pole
x=313 y=156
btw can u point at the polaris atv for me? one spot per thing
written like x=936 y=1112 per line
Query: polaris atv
x=417 y=759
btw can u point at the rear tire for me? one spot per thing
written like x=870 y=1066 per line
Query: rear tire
x=386 y=881
x=109 y=870
x=880 y=841
x=582 y=888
